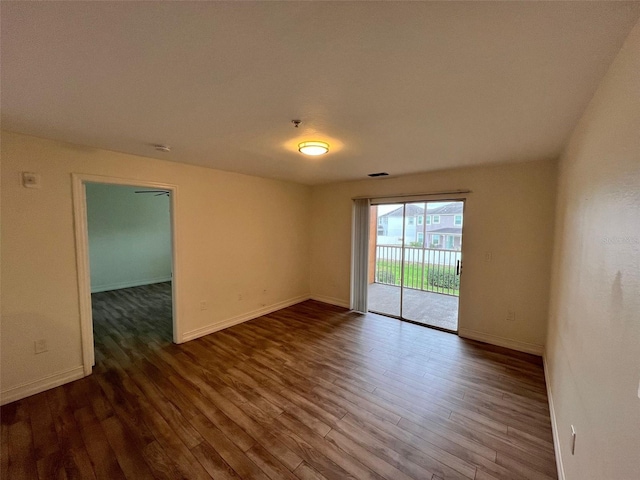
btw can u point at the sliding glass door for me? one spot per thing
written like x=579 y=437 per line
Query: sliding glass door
x=415 y=261
x=385 y=294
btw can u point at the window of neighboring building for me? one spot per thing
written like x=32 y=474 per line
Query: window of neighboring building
x=428 y=219
x=457 y=220
x=420 y=219
x=411 y=220
x=435 y=240
x=436 y=219
x=380 y=221
x=420 y=237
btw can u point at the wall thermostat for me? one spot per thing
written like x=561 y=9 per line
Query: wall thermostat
x=31 y=180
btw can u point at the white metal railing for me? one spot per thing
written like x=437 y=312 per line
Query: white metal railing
x=428 y=269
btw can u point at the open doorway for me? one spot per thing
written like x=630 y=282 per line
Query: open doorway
x=126 y=264
x=415 y=261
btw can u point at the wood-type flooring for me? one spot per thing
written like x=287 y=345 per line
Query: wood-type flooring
x=309 y=392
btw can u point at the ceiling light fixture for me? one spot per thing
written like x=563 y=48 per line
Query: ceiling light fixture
x=313 y=148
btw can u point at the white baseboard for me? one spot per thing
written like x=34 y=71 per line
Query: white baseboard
x=331 y=301
x=31 y=388
x=502 y=342
x=554 y=423
x=201 y=332
x=119 y=285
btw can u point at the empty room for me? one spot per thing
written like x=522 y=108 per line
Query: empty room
x=320 y=240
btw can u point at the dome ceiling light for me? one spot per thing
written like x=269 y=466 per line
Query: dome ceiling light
x=313 y=148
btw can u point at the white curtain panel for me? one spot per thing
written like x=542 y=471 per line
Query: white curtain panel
x=360 y=254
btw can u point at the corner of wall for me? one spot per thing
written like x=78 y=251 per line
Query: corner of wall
x=554 y=423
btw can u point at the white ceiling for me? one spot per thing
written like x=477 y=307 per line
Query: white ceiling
x=401 y=87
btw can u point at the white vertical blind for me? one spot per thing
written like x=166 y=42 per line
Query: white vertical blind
x=360 y=254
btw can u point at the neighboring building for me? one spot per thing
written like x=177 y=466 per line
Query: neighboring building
x=444 y=226
x=390 y=224
x=441 y=227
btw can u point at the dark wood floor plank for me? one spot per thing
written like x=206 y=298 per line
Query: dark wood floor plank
x=22 y=460
x=100 y=452
x=475 y=440
x=309 y=413
x=306 y=472
x=420 y=451
x=368 y=459
x=74 y=456
x=161 y=465
x=168 y=443
x=309 y=392
x=528 y=471
x=530 y=440
x=14 y=412
x=52 y=467
x=174 y=418
x=45 y=438
x=4 y=450
x=233 y=455
x=387 y=452
x=127 y=448
x=316 y=452
x=260 y=434
x=230 y=429
x=211 y=460
x=168 y=449
x=270 y=464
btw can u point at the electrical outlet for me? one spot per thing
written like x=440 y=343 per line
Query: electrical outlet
x=40 y=346
x=511 y=316
x=203 y=305
x=239 y=297
x=488 y=256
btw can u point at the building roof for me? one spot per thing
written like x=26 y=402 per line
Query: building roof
x=411 y=211
x=448 y=209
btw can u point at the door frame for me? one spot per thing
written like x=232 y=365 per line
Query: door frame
x=400 y=201
x=81 y=230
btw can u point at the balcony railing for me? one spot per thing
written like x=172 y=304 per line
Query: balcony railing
x=427 y=269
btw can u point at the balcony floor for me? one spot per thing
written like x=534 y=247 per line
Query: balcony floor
x=427 y=308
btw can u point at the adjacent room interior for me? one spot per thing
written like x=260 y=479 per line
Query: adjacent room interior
x=382 y=240
x=130 y=263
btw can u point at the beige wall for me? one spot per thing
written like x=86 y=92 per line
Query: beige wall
x=237 y=235
x=509 y=213
x=593 y=348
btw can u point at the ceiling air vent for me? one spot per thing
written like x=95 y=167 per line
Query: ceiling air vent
x=379 y=174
